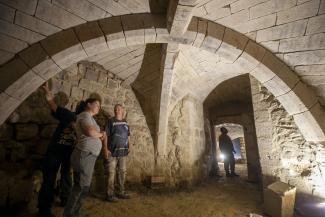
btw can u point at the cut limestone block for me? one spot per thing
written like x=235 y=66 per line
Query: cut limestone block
x=254 y=215
x=279 y=199
x=232 y=46
x=64 y=48
x=157 y=182
x=25 y=6
x=56 y=15
x=38 y=60
x=213 y=38
x=35 y=24
x=202 y=26
x=191 y=32
x=113 y=31
x=133 y=29
x=92 y=38
x=81 y=8
x=149 y=29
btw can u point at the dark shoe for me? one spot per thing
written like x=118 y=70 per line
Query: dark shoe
x=228 y=174
x=43 y=213
x=123 y=196
x=111 y=199
x=234 y=175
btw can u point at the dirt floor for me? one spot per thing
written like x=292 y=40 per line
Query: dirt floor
x=226 y=197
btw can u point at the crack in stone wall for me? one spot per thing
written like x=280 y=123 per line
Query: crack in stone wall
x=186 y=146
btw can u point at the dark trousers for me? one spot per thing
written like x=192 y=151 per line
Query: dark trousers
x=56 y=156
x=83 y=164
x=229 y=162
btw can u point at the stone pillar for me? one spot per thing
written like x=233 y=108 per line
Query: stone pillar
x=242 y=149
x=166 y=78
x=263 y=126
x=251 y=146
x=214 y=167
x=252 y=155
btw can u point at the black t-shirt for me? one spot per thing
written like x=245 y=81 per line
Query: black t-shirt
x=118 y=132
x=64 y=133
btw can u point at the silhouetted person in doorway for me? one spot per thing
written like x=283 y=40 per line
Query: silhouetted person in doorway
x=227 y=149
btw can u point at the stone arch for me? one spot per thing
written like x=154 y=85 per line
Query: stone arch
x=39 y=62
x=238 y=127
x=254 y=172
x=235 y=131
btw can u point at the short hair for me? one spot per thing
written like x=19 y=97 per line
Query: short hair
x=81 y=107
x=223 y=129
x=118 y=105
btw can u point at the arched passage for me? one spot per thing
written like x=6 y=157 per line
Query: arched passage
x=237 y=136
x=36 y=64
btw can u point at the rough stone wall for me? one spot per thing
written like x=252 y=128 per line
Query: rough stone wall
x=284 y=153
x=23 y=142
x=186 y=159
x=210 y=146
x=242 y=149
x=89 y=79
x=24 y=137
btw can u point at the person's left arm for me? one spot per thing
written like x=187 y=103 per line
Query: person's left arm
x=105 y=152
x=232 y=145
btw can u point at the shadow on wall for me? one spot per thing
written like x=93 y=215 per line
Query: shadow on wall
x=158 y=6
x=309 y=206
x=147 y=86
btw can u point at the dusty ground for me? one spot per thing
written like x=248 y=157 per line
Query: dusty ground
x=226 y=197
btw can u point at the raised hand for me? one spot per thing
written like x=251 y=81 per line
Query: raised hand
x=45 y=87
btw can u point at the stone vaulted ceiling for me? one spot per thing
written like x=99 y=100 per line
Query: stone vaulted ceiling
x=205 y=43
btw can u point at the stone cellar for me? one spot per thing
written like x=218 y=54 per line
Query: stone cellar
x=182 y=69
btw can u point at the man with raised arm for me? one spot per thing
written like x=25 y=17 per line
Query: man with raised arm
x=58 y=154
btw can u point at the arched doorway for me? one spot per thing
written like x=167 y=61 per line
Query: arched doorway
x=236 y=133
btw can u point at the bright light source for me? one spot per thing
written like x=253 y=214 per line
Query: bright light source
x=222 y=156
x=321 y=205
